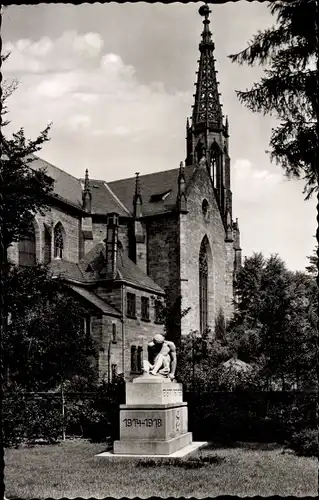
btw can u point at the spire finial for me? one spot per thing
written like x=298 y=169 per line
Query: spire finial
x=205 y=11
x=137 y=199
x=137 y=184
x=86 y=180
x=86 y=195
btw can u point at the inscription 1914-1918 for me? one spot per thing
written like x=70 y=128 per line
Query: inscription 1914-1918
x=147 y=422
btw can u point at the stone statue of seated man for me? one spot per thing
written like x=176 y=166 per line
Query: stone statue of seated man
x=161 y=358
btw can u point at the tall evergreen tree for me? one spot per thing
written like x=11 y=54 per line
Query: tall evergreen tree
x=289 y=88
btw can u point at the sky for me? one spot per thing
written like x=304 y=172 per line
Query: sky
x=117 y=83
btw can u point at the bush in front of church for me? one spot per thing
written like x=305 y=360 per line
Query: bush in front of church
x=304 y=443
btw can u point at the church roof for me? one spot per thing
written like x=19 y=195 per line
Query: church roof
x=66 y=187
x=158 y=190
x=127 y=270
x=102 y=305
x=105 y=201
x=87 y=270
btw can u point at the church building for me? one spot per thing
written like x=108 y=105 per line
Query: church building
x=127 y=246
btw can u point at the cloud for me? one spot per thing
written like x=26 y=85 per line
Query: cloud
x=46 y=55
x=251 y=184
x=82 y=87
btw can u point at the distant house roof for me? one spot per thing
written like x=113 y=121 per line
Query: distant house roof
x=237 y=365
x=158 y=190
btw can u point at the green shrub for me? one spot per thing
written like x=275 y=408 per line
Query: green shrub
x=305 y=443
x=93 y=415
x=13 y=419
x=26 y=419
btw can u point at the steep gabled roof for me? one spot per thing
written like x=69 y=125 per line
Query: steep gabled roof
x=87 y=271
x=67 y=270
x=127 y=270
x=66 y=187
x=158 y=190
x=104 y=200
x=93 y=299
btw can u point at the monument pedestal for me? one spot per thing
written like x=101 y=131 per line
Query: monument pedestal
x=154 y=419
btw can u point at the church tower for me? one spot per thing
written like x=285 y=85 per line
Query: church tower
x=207 y=134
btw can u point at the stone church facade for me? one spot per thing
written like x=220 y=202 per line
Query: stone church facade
x=126 y=246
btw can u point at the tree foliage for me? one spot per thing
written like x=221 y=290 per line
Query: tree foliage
x=289 y=88
x=274 y=331
x=24 y=190
x=275 y=324
x=44 y=343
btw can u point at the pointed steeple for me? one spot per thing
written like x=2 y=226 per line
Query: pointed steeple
x=207 y=111
x=137 y=199
x=207 y=116
x=86 y=194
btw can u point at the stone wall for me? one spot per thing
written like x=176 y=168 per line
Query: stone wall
x=71 y=227
x=163 y=252
x=136 y=331
x=194 y=226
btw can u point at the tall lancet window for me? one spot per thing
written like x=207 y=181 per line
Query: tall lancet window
x=58 y=241
x=27 y=249
x=47 y=245
x=203 y=286
x=213 y=169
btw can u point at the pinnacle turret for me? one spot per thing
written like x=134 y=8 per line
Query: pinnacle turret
x=86 y=194
x=137 y=199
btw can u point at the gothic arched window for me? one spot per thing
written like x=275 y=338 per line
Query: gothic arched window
x=47 y=245
x=27 y=249
x=58 y=241
x=213 y=168
x=203 y=286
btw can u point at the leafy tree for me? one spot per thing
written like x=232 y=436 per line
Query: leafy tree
x=24 y=190
x=312 y=267
x=44 y=343
x=289 y=88
x=275 y=325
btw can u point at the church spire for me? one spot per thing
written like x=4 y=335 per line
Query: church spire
x=207 y=117
x=207 y=111
x=86 y=194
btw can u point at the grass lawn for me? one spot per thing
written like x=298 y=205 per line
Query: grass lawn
x=70 y=469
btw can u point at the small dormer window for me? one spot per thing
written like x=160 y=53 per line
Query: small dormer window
x=159 y=196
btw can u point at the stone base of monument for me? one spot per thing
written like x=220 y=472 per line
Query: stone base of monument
x=154 y=420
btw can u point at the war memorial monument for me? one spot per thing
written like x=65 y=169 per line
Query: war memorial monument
x=154 y=418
